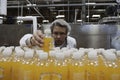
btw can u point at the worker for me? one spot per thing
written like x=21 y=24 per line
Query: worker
x=60 y=31
x=111 y=16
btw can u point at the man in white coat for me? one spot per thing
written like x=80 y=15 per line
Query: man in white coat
x=60 y=30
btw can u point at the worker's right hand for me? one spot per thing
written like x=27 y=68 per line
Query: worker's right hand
x=37 y=38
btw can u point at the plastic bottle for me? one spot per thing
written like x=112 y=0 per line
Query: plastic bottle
x=42 y=68
x=118 y=57
x=77 y=66
x=111 y=67
x=16 y=62
x=27 y=66
x=101 y=65
x=5 y=64
x=60 y=67
x=48 y=41
x=92 y=65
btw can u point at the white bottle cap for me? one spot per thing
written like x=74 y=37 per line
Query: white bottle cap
x=110 y=56
x=78 y=54
x=118 y=53
x=19 y=52
x=43 y=56
x=64 y=49
x=92 y=55
x=7 y=52
x=52 y=53
x=29 y=54
x=39 y=51
x=60 y=56
x=100 y=50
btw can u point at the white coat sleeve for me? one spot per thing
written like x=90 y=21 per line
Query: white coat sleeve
x=23 y=40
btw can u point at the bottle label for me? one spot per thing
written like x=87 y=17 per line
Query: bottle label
x=28 y=75
x=100 y=75
x=115 y=77
x=79 y=76
x=50 y=76
x=1 y=72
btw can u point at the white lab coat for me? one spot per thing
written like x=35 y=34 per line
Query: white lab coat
x=71 y=42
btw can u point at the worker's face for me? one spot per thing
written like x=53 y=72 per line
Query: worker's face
x=59 y=34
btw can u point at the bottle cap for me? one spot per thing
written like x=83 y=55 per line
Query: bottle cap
x=78 y=55
x=43 y=56
x=60 y=56
x=110 y=56
x=7 y=52
x=118 y=53
x=52 y=53
x=29 y=54
x=39 y=51
x=92 y=55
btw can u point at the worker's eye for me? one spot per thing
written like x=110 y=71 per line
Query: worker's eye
x=59 y=33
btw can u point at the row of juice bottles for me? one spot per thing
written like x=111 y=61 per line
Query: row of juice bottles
x=23 y=63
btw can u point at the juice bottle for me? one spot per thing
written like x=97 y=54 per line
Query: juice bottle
x=111 y=67
x=16 y=62
x=101 y=66
x=51 y=58
x=77 y=66
x=42 y=68
x=5 y=64
x=118 y=61
x=48 y=41
x=60 y=67
x=92 y=66
x=26 y=71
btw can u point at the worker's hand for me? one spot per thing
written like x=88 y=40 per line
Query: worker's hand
x=37 y=38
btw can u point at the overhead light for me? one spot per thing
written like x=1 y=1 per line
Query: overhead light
x=19 y=21
x=60 y=16
x=97 y=16
x=87 y=16
x=45 y=21
x=79 y=20
x=1 y=17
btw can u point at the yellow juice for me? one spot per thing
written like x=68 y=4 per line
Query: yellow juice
x=77 y=71
x=77 y=67
x=26 y=72
x=92 y=66
x=48 y=44
x=6 y=64
x=15 y=70
x=61 y=72
x=5 y=70
x=17 y=58
x=42 y=67
x=42 y=72
x=111 y=67
x=101 y=68
x=16 y=64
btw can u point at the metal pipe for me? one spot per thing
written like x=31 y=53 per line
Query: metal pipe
x=61 y=5
x=29 y=18
x=36 y=9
